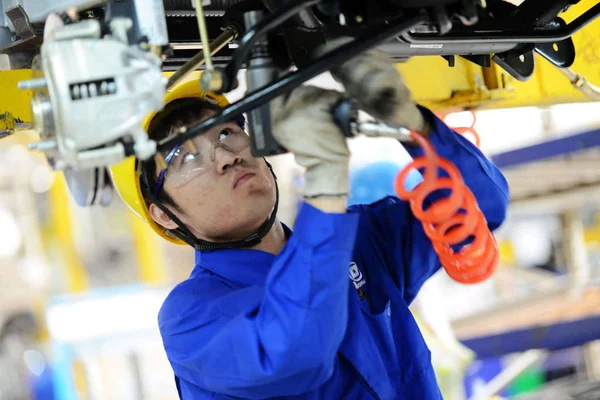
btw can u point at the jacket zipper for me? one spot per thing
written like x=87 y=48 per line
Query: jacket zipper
x=361 y=379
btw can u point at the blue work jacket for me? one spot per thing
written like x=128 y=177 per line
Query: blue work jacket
x=328 y=317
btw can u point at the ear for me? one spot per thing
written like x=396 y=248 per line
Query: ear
x=161 y=218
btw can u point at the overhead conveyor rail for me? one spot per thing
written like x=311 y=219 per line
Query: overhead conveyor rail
x=553 y=175
x=572 y=321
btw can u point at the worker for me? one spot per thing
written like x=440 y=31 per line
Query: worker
x=320 y=312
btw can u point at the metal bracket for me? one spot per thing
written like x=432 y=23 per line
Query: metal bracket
x=20 y=21
x=483 y=60
x=538 y=12
x=119 y=8
x=28 y=39
x=451 y=60
x=560 y=53
x=497 y=35
x=519 y=66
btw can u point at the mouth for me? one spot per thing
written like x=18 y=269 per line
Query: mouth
x=243 y=178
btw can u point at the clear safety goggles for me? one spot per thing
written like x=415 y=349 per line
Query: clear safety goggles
x=196 y=156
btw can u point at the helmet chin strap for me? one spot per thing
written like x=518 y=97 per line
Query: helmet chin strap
x=252 y=240
x=184 y=234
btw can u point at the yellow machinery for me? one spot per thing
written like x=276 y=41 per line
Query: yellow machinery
x=433 y=82
x=468 y=86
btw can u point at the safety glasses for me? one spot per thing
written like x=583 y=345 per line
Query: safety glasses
x=195 y=157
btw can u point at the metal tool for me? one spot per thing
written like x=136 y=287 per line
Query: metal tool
x=346 y=116
x=379 y=129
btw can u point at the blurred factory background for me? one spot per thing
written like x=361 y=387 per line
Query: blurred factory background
x=80 y=288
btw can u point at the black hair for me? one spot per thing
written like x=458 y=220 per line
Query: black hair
x=177 y=114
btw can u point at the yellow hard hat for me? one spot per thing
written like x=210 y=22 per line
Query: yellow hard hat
x=126 y=175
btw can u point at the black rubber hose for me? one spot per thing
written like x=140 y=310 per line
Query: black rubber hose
x=286 y=83
x=186 y=5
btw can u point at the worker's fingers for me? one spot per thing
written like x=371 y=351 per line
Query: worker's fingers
x=303 y=98
x=303 y=123
x=373 y=80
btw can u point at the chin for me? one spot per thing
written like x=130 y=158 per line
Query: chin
x=258 y=209
x=253 y=207
x=245 y=224
x=261 y=211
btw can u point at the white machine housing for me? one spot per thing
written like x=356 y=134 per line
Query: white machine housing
x=92 y=91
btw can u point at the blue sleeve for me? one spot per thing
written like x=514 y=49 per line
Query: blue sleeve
x=276 y=340
x=399 y=236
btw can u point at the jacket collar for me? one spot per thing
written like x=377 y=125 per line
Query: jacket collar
x=246 y=266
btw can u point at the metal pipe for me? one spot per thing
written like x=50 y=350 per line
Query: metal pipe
x=378 y=129
x=582 y=84
x=261 y=70
x=284 y=84
x=203 y=34
x=33 y=84
x=196 y=46
x=397 y=48
x=229 y=34
x=495 y=36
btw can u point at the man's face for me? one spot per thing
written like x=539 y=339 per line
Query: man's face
x=226 y=199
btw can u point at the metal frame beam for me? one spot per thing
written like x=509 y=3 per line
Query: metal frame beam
x=549 y=149
x=552 y=337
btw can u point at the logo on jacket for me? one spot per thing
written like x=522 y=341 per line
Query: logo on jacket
x=357 y=276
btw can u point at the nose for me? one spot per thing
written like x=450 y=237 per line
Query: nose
x=225 y=159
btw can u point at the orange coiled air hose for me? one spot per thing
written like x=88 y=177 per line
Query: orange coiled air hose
x=469 y=129
x=451 y=220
